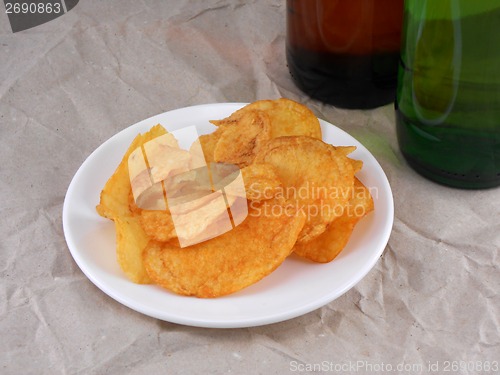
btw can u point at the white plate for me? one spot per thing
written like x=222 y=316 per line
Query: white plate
x=295 y=288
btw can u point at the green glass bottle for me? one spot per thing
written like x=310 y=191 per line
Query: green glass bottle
x=448 y=95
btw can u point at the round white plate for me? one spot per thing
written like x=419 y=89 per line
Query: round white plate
x=295 y=288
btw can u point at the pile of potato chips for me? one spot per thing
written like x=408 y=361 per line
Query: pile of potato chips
x=301 y=197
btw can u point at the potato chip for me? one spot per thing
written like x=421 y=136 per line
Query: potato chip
x=316 y=176
x=114 y=205
x=165 y=158
x=158 y=225
x=195 y=199
x=261 y=182
x=230 y=262
x=346 y=150
x=208 y=143
x=115 y=195
x=356 y=165
x=191 y=224
x=242 y=139
x=329 y=244
x=240 y=136
x=287 y=118
x=130 y=243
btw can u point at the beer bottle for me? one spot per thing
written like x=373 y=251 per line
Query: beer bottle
x=345 y=52
x=448 y=97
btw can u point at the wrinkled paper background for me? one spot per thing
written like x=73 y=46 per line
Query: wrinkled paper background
x=70 y=84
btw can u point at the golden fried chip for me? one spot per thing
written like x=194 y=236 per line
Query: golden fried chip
x=230 y=262
x=329 y=244
x=241 y=139
x=192 y=223
x=287 y=118
x=130 y=243
x=346 y=150
x=114 y=198
x=356 y=165
x=316 y=176
x=195 y=199
x=158 y=225
x=208 y=143
x=166 y=160
x=114 y=205
x=261 y=182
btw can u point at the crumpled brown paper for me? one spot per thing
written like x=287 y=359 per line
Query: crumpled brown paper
x=68 y=85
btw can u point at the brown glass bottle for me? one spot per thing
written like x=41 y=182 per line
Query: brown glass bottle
x=345 y=52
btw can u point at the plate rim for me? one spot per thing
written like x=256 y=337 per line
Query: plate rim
x=241 y=322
